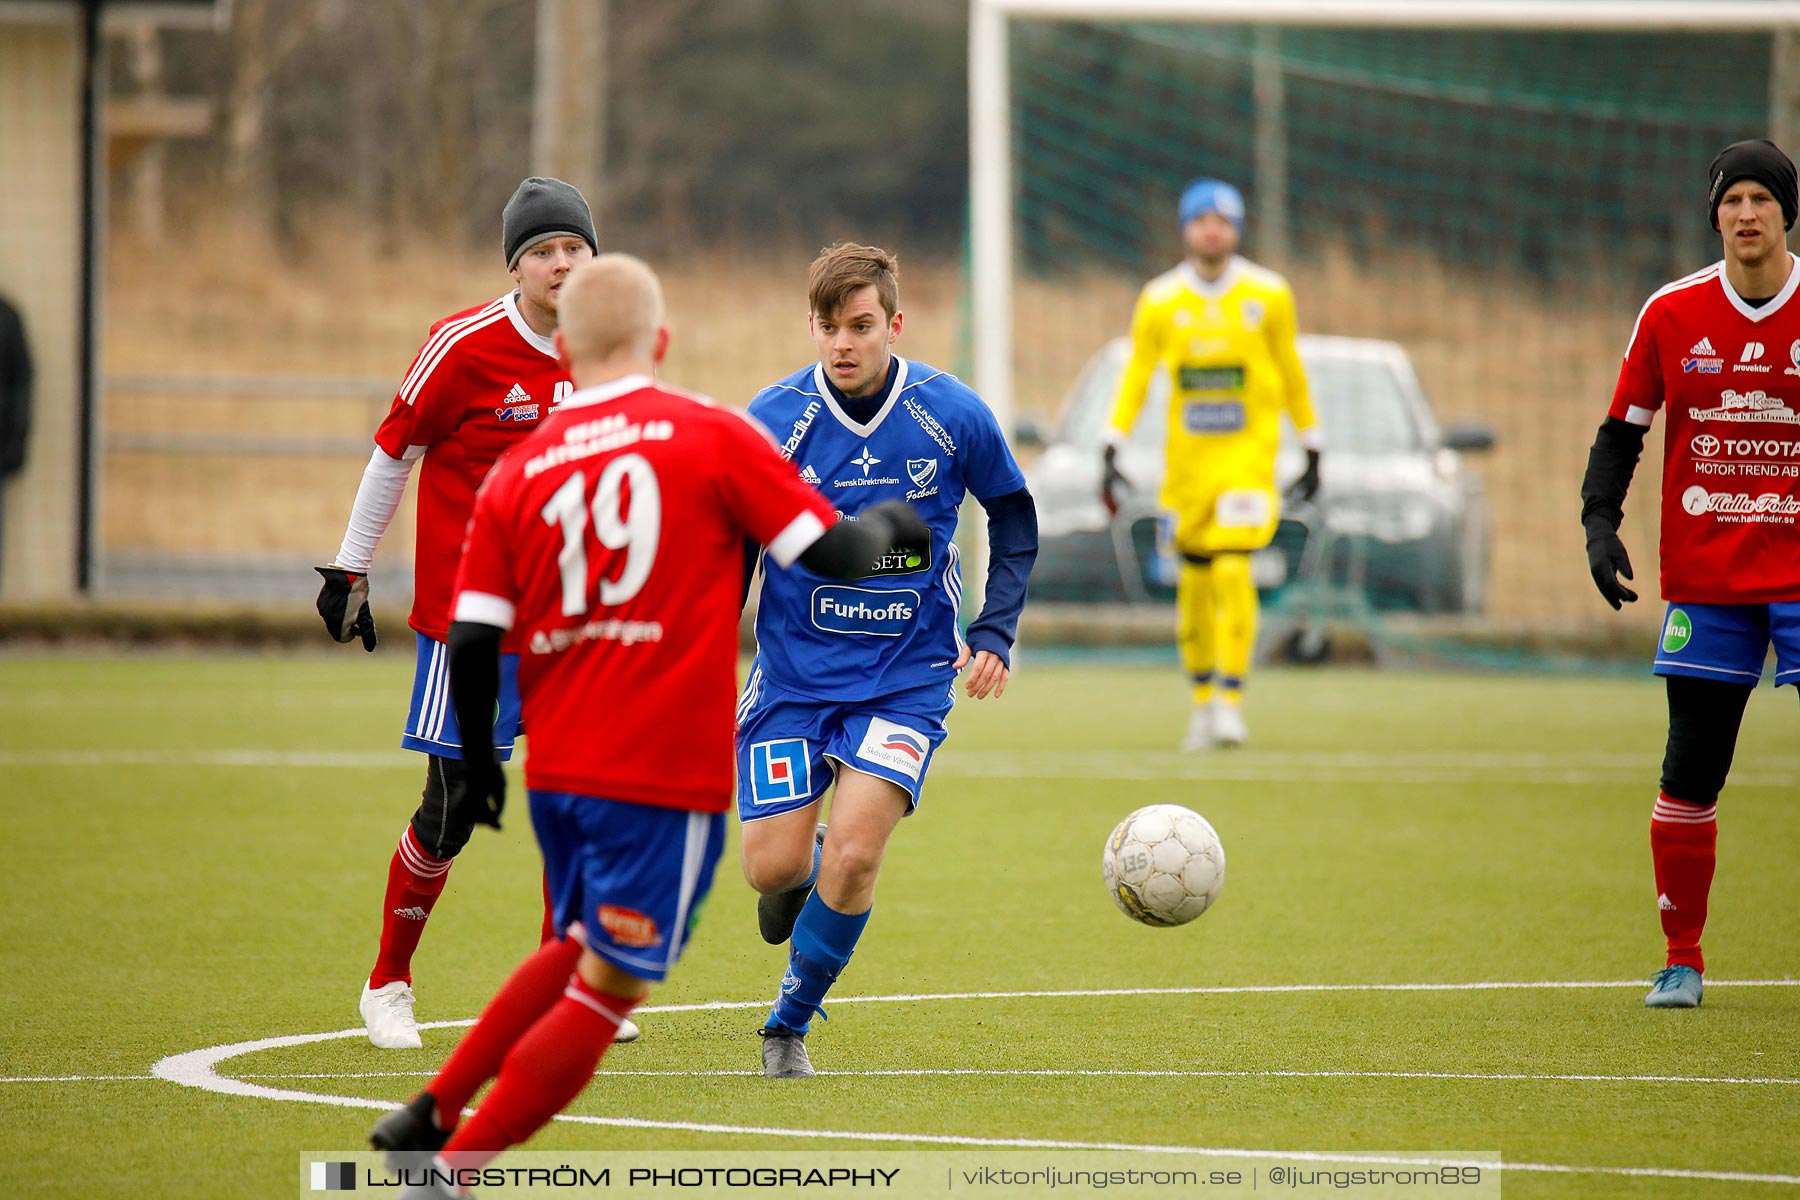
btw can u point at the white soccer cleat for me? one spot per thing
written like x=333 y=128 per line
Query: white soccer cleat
x=1228 y=727
x=1199 y=730
x=388 y=1013
x=628 y=1032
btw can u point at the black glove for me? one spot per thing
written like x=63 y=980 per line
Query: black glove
x=344 y=603
x=1307 y=486
x=481 y=796
x=1111 y=480
x=1607 y=561
x=909 y=531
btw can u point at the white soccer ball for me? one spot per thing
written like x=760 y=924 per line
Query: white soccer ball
x=1164 y=865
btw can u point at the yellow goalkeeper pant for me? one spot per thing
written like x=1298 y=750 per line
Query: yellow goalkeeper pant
x=1216 y=623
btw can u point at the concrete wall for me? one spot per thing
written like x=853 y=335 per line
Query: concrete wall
x=40 y=273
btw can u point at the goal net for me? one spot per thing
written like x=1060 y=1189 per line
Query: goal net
x=1494 y=202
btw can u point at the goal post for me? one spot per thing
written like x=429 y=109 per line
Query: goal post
x=1494 y=185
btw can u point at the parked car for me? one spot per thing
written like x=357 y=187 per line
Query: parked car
x=1403 y=519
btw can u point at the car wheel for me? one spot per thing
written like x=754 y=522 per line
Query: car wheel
x=1308 y=645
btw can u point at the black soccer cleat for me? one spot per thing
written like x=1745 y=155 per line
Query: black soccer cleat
x=784 y=1054
x=777 y=912
x=410 y=1133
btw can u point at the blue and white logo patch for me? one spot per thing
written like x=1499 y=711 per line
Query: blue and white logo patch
x=895 y=747
x=863 y=611
x=921 y=470
x=781 y=771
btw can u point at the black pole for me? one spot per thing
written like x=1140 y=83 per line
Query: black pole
x=87 y=405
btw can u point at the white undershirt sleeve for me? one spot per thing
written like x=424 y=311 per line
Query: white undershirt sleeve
x=377 y=500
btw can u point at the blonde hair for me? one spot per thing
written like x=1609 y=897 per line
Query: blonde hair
x=846 y=268
x=610 y=305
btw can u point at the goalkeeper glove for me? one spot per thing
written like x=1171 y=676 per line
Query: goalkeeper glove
x=1111 y=480
x=1307 y=486
x=1607 y=561
x=480 y=797
x=344 y=604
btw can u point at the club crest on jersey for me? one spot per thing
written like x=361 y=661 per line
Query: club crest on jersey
x=895 y=747
x=923 y=473
x=1793 y=357
x=780 y=770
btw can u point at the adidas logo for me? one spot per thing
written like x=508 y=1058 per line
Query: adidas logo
x=1703 y=346
x=1663 y=902
x=415 y=913
x=811 y=476
x=519 y=395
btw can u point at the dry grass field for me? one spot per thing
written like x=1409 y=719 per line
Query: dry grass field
x=1536 y=365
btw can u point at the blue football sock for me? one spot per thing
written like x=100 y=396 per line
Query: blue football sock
x=818 y=853
x=823 y=941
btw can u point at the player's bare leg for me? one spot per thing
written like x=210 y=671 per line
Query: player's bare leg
x=864 y=810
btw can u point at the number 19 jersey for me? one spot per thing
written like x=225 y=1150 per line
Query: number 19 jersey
x=610 y=540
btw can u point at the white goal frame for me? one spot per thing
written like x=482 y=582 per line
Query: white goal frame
x=990 y=100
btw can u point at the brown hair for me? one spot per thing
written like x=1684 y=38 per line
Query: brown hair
x=846 y=268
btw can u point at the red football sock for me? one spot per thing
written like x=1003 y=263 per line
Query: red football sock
x=1683 y=840
x=546 y=1069
x=533 y=988
x=549 y=931
x=415 y=881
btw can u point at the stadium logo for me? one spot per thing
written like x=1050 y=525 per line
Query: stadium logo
x=895 y=747
x=798 y=433
x=628 y=926
x=864 y=612
x=921 y=470
x=1706 y=445
x=780 y=771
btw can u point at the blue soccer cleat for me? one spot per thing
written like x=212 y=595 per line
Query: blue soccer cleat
x=1674 y=987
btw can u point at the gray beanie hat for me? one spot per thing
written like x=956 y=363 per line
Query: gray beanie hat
x=542 y=208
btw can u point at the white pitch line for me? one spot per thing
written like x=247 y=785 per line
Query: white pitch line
x=198 y=1069
x=1424 y=767
x=1226 y=990
x=1095 y=1072
x=68 y=1078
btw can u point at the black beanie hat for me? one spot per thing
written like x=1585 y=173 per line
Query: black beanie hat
x=1758 y=159
x=542 y=208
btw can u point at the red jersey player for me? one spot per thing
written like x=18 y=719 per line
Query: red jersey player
x=484 y=378
x=609 y=545
x=1718 y=352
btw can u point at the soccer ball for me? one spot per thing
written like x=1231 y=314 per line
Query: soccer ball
x=1163 y=865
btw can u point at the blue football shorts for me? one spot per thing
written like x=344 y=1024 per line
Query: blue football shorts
x=627 y=880
x=1729 y=642
x=784 y=741
x=431 y=718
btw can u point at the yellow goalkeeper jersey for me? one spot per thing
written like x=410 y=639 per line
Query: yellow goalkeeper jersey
x=1228 y=348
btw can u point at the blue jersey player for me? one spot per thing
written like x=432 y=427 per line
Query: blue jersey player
x=852 y=682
